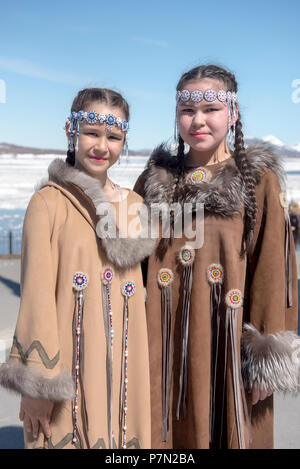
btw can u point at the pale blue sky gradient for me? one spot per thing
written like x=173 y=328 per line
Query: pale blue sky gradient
x=50 y=50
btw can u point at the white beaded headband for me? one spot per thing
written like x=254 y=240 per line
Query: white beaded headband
x=229 y=98
x=196 y=96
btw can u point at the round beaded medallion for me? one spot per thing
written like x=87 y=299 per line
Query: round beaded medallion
x=79 y=281
x=234 y=298
x=185 y=95
x=128 y=288
x=222 y=96
x=165 y=277
x=215 y=273
x=91 y=117
x=196 y=96
x=186 y=255
x=110 y=119
x=107 y=276
x=200 y=175
x=210 y=95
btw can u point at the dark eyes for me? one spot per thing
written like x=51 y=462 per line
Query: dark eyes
x=111 y=137
x=188 y=110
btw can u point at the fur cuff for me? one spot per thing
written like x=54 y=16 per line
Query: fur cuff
x=30 y=382
x=270 y=361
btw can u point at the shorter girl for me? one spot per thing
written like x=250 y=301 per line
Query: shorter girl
x=79 y=356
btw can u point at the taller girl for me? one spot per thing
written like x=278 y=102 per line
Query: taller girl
x=220 y=317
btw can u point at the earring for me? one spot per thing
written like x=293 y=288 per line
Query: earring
x=230 y=137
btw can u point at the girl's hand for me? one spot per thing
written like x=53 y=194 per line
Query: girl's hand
x=35 y=412
x=258 y=395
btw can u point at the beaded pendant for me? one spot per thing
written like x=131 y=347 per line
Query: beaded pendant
x=80 y=282
x=186 y=257
x=165 y=279
x=234 y=300
x=215 y=278
x=107 y=276
x=127 y=290
x=200 y=175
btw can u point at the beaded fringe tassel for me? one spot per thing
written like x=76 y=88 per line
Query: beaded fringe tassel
x=80 y=282
x=186 y=257
x=215 y=277
x=165 y=279
x=234 y=301
x=127 y=289
x=107 y=277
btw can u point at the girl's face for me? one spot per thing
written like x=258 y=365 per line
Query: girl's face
x=205 y=126
x=98 y=147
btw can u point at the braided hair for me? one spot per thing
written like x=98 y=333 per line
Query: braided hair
x=240 y=156
x=86 y=97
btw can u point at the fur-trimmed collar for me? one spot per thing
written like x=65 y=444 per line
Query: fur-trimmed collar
x=223 y=195
x=121 y=251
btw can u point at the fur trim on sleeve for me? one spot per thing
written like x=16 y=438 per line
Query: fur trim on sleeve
x=270 y=361
x=28 y=381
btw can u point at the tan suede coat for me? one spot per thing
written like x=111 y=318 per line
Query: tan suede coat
x=59 y=240
x=266 y=360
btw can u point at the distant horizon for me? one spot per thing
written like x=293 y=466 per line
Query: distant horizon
x=268 y=139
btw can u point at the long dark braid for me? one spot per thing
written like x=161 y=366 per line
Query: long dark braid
x=172 y=197
x=240 y=155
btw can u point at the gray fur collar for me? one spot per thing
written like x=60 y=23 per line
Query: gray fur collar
x=121 y=251
x=223 y=195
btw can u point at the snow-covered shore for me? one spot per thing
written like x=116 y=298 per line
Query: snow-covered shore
x=20 y=173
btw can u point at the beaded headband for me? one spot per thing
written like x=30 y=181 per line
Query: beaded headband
x=93 y=117
x=196 y=96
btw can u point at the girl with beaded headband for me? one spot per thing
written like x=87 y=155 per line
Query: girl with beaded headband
x=80 y=352
x=233 y=300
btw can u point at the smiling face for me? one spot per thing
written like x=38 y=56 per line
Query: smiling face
x=203 y=127
x=98 y=147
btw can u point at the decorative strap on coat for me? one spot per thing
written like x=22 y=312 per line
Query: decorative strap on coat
x=186 y=257
x=234 y=300
x=107 y=277
x=165 y=278
x=127 y=289
x=215 y=277
x=80 y=282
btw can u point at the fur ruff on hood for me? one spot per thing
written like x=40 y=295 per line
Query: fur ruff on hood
x=124 y=252
x=224 y=195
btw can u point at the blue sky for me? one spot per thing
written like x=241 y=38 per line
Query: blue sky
x=50 y=50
